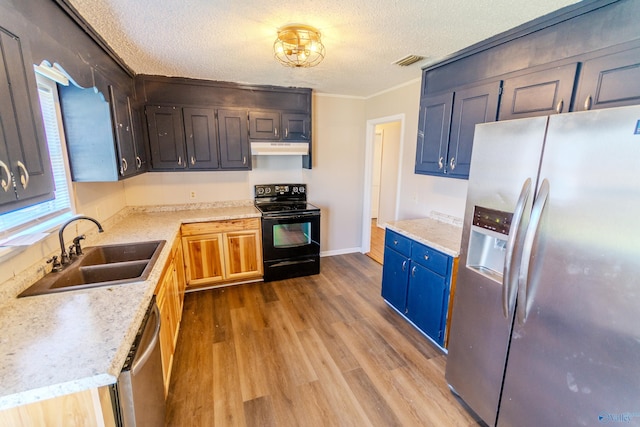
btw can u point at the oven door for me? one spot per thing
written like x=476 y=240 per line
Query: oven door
x=291 y=245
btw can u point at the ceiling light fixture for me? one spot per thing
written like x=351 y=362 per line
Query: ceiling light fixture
x=298 y=45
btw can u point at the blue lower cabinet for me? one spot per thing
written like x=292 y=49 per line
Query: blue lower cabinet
x=426 y=302
x=416 y=281
x=395 y=278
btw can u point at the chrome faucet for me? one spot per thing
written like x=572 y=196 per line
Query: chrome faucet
x=64 y=258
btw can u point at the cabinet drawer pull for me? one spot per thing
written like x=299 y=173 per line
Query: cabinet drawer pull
x=560 y=106
x=404 y=265
x=452 y=163
x=125 y=165
x=180 y=160
x=275 y=130
x=587 y=103
x=5 y=182
x=24 y=175
x=413 y=271
x=440 y=164
x=286 y=132
x=395 y=242
x=138 y=162
x=193 y=160
x=426 y=257
x=244 y=160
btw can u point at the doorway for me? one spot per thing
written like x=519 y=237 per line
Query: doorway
x=382 y=181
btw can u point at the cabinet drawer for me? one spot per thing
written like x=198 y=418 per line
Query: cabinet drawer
x=196 y=228
x=430 y=258
x=398 y=242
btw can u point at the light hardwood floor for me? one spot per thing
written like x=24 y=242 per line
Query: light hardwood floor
x=322 y=350
x=376 y=251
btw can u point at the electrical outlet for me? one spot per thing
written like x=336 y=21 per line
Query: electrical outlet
x=192 y=194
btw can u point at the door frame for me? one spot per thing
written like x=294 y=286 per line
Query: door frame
x=365 y=245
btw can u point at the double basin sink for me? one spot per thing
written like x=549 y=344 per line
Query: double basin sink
x=101 y=266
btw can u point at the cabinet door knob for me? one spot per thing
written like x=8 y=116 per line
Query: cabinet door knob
x=24 y=175
x=426 y=257
x=587 y=103
x=125 y=165
x=404 y=265
x=395 y=242
x=452 y=163
x=560 y=106
x=138 y=162
x=193 y=160
x=286 y=132
x=275 y=131
x=180 y=160
x=440 y=164
x=413 y=271
x=5 y=182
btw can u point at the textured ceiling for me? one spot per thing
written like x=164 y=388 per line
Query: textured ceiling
x=231 y=40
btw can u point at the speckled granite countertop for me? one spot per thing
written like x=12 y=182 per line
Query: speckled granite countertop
x=443 y=235
x=51 y=345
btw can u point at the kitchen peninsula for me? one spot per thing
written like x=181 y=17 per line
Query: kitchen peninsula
x=419 y=272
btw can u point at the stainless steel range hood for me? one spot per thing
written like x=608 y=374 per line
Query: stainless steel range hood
x=265 y=148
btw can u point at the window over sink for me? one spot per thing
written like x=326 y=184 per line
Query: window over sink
x=24 y=226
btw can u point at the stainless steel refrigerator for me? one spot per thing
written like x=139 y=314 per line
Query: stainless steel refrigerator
x=545 y=327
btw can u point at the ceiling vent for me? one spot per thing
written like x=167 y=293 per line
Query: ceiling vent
x=408 y=60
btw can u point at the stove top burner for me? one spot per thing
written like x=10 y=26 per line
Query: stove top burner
x=273 y=199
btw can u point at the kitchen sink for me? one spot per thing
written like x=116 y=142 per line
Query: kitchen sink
x=139 y=251
x=100 y=266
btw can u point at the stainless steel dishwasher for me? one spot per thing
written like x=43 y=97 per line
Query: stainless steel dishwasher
x=139 y=392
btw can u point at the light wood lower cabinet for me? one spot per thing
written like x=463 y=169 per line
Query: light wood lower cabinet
x=170 y=299
x=221 y=252
x=89 y=408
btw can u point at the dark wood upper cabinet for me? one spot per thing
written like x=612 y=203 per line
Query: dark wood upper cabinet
x=201 y=137
x=539 y=93
x=446 y=126
x=434 y=125
x=103 y=135
x=264 y=125
x=296 y=126
x=25 y=168
x=610 y=81
x=244 y=113
x=187 y=138
x=123 y=129
x=166 y=137
x=234 y=139
x=477 y=104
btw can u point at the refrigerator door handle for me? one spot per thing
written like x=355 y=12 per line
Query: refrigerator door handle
x=529 y=239
x=509 y=284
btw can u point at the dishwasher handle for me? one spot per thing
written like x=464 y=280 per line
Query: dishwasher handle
x=146 y=353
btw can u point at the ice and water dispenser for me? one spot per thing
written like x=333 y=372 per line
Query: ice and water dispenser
x=488 y=242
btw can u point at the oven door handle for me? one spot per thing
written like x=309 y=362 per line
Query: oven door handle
x=293 y=216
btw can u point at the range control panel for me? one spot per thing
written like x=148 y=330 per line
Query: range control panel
x=281 y=190
x=491 y=219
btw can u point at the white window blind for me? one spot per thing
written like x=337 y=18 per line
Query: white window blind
x=18 y=221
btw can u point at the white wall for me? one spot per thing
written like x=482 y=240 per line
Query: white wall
x=419 y=194
x=336 y=180
x=389 y=170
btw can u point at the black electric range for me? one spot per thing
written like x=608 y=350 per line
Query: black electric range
x=290 y=231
